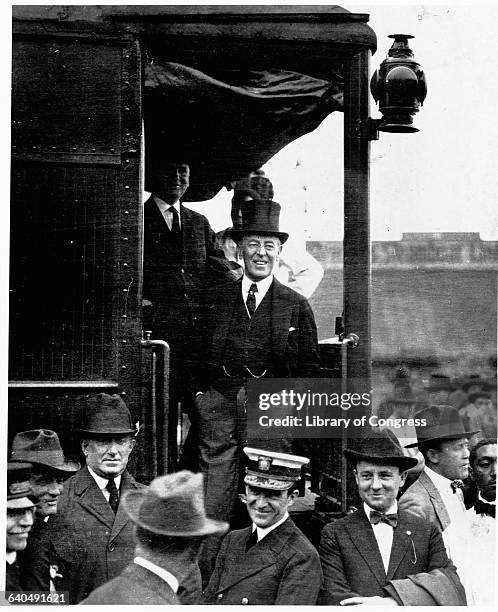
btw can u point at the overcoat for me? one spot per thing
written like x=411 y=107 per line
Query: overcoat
x=136 y=585
x=93 y=544
x=419 y=571
x=282 y=569
x=423 y=499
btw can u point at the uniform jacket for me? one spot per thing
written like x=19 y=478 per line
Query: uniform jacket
x=135 y=585
x=419 y=571
x=281 y=569
x=94 y=545
x=293 y=331
x=423 y=499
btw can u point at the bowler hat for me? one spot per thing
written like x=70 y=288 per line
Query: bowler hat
x=172 y=505
x=381 y=447
x=19 y=493
x=441 y=423
x=259 y=217
x=107 y=415
x=41 y=447
x=271 y=470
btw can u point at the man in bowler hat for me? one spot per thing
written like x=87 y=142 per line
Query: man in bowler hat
x=254 y=328
x=20 y=518
x=380 y=554
x=41 y=448
x=271 y=562
x=437 y=494
x=170 y=524
x=92 y=533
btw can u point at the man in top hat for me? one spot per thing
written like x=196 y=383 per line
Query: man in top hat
x=170 y=524
x=297 y=268
x=20 y=518
x=380 y=554
x=254 y=328
x=92 y=533
x=437 y=494
x=41 y=448
x=474 y=550
x=271 y=562
x=181 y=258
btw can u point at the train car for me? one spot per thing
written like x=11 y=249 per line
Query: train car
x=90 y=85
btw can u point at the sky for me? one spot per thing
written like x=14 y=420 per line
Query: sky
x=443 y=178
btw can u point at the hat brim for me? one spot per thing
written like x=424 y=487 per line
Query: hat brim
x=404 y=463
x=18 y=503
x=132 y=501
x=449 y=436
x=69 y=467
x=264 y=482
x=237 y=234
x=100 y=432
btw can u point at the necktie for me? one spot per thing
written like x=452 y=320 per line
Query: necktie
x=113 y=495
x=175 y=226
x=252 y=540
x=251 y=299
x=377 y=517
x=456 y=484
x=481 y=507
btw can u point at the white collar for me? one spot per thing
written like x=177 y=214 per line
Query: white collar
x=264 y=531
x=392 y=510
x=102 y=482
x=163 y=206
x=485 y=501
x=262 y=285
x=440 y=482
x=159 y=571
x=10 y=557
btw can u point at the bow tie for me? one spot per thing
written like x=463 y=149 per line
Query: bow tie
x=456 y=484
x=481 y=507
x=377 y=517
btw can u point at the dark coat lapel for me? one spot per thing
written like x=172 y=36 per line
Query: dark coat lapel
x=282 y=307
x=402 y=541
x=121 y=518
x=363 y=538
x=91 y=498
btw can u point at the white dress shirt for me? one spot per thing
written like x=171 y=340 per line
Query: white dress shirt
x=11 y=557
x=102 y=482
x=262 y=285
x=165 y=211
x=264 y=531
x=453 y=501
x=383 y=533
x=159 y=571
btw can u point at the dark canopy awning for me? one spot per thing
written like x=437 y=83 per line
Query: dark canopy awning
x=230 y=122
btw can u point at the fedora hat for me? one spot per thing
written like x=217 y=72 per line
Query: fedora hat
x=381 y=447
x=106 y=414
x=259 y=217
x=172 y=505
x=19 y=493
x=270 y=470
x=41 y=447
x=441 y=423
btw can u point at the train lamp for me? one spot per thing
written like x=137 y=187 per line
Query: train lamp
x=398 y=87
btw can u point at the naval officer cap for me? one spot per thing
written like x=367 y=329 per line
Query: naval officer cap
x=270 y=470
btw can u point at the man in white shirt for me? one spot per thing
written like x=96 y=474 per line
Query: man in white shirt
x=437 y=494
x=380 y=554
x=170 y=524
x=270 y=562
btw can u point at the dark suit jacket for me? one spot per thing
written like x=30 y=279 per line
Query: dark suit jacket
x=37 y=558
x=293 y=332
x=423 y=499
x=419 y=571
x=282 y=569
x=203 y=263
x=94 y=545
x=135 y=585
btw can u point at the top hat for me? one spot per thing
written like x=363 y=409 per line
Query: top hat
x=381 y=447
x=259 y=217
x=19 y=493
x=172 y=505
x=270 y=470
x=41 y=447
x=107 y=415
x=441 y=423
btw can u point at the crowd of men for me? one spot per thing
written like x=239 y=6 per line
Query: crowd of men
x=94 y=532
